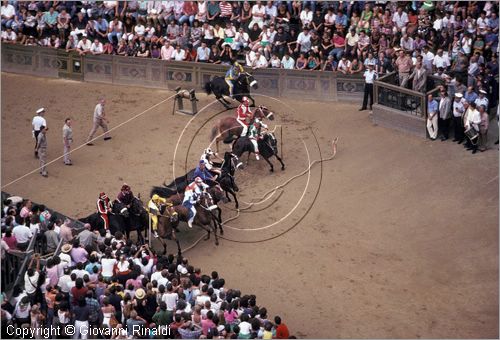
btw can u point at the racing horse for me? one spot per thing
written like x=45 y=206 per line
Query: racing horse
x=167 y=224
x=242 y=86
x=268 y=147
x=117 y=219
x=138 y=219
x=205 y=216
x=226 y=179
x=228 y=129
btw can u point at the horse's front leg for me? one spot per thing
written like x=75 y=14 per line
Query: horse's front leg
x=270 y=164
x=223 y=102
x=281 y=161
x=215 y=223
x=237 y=204
x=248 y=157
x=227 y=196
x=253 y=101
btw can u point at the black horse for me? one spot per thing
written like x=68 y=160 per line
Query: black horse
x=226 y=179
x=118 y=219
x=242 y=86
x=138 y=219
x=268 y=147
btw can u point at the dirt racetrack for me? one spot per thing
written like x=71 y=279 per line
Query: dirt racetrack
x=401 y=241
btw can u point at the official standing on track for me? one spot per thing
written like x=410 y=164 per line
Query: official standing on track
x=41 y=149
x=37 y=122
x=370 y=75
x=67 y=140
x=99 y=120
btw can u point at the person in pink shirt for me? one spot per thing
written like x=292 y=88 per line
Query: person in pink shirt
x=207 y=323
x=78 y=254
x=166 y=50
x=26 y=209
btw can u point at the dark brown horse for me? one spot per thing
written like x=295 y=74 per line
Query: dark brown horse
x=167 y=224
x=227 y=129
x=205 y=216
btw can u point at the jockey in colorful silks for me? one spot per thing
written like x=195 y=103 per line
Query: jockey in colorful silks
x=232 y=74
x=255 y=134
x=192 y=194
x=206 y=158
x=154 y=208
x=103 y=208
x=244 y=115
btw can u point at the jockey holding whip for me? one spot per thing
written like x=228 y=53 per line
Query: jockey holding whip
x=103 y=208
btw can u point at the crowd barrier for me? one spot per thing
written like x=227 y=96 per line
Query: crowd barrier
x=14 y=264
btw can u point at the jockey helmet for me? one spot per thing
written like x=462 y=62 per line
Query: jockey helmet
x=208 y=151
x=198 y=180
x=236 y=63
x=103 y=196
x=244 y=100
x=155 y=197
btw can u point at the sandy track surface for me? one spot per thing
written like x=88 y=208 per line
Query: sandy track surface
x=401 y=241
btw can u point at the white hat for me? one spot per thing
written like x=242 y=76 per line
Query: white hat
x=184 y=271
x=84 y=34
x=40 y=110
x=483 y=91
x=458 y=95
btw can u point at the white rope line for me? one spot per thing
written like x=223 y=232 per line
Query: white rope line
x=84 y=144
x=308 y=170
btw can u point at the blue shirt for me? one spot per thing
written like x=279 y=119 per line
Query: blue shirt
x=470 y=97
x=203 y=174
x=432 y=106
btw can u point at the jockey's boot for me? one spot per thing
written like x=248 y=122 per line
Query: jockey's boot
x=155 y=233
x=190 y=224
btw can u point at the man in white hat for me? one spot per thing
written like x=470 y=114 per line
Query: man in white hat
x=37 y=122
x=458 y=111
x=482 y=100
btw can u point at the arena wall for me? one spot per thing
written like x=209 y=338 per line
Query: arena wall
x=154 y=73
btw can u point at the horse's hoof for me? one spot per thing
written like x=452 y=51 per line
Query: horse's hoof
x=222 y=232
x=272 y=170
x=216 y=243
x=282 y=168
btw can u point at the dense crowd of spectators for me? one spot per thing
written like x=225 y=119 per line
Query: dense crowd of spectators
x=445 y=37
x=119 y=289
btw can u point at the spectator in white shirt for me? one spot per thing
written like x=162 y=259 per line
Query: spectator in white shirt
x=7 y=12
x=9 y=36
x=96 y=48
x=258 y=14
x=303 y=41
x=400 y=19
x=344 y=65
x=441 y=60
x=287 y=62
x=202 y=53
x=241 y=39
x=84 y=45
x=178 y=54
x=306 y=16
x=115 y=30
x=259 y=62
x=271 y=12
x=23 y=236
x=275 y=61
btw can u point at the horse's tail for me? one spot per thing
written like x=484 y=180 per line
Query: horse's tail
x=208 y=87
x=214 y=133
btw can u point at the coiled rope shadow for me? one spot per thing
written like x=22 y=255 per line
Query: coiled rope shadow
x=281 y=186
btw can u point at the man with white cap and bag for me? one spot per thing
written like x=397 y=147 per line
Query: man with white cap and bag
x=37 y=122
x=458 y=111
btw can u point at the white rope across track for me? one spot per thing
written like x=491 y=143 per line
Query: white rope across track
x=92 y=140
x=281 y=186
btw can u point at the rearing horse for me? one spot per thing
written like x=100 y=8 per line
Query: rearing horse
x=242 y=85
x=228 y=129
